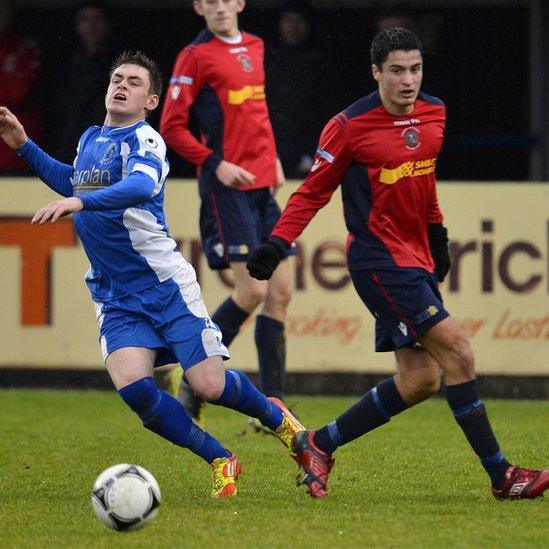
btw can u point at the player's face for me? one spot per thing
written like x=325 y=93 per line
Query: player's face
x=128 y=96
x=399 y=80
x=221 y=15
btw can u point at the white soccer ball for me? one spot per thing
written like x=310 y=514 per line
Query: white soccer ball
x=125 y=497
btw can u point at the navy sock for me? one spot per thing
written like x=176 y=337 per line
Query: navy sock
x=229 y=317
x=241 y=395
x=165 y=416
x=375 y=408
x=471 y=415
x=271 y=352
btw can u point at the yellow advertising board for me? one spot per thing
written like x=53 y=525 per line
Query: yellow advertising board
x=498 y=287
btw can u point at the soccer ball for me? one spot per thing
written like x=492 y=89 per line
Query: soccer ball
x=125 y=497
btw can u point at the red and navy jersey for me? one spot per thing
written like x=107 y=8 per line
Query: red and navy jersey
x=385 y=165
x=223 y=85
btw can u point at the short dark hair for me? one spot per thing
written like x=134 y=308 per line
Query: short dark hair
x=393 y=39
x=140 y=59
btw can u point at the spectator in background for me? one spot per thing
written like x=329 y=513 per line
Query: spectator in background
x=300 y=88
x=20 y=69
x=79 y=89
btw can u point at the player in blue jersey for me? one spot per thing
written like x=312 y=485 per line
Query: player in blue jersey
x=149 y=305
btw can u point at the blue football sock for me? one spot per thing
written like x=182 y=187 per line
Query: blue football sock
x=241 y=395
x=165 y=416
x=471 y=415
x=271 y=353
x=229 y=317
x=375 y=408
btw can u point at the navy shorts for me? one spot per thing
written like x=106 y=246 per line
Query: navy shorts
x=405 y=303
x=233 y=223
x=169 y=317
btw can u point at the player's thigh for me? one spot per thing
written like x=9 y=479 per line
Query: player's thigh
x=279 y=293
x=405 y=302
x=207 y=378
x=449 y=345
x=129 y=364
x=279 y=288
x=178 y=313
x=123 y=324
x=248 y=291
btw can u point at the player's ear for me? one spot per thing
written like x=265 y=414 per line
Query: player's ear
x=375 y=73
x=197 y=5
x=241 y=5
x=152 y=102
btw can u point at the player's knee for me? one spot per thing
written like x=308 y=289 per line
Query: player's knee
x=419 y=384
x=258 y=293
x=428 y=384
x=250 y=297
x=463 y=356
x=208 y=387
x=280 y=297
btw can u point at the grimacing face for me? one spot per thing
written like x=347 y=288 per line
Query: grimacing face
x=399 y=80
x=221 y=15
x=128 y=96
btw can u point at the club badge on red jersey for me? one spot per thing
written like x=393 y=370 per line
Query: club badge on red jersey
x=411 y=138
x=245 y=62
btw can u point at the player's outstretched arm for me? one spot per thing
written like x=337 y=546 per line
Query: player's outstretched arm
x=11 y=130
x=59 y=208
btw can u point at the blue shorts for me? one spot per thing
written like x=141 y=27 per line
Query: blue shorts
x=170 y=317
x=405 y=303
x=233 y=223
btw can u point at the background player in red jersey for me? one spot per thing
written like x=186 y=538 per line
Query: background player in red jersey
x=382 y=150
x=220 y=79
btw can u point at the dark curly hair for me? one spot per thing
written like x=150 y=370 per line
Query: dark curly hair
x=393 y=39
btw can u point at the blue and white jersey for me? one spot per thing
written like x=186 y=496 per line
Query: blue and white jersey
x=119 y=174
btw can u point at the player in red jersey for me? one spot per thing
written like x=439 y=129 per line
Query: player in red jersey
x=220 y=79
x=382 y=151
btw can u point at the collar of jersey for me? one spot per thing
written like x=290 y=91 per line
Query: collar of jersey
x=233 y=40
x=111 y=129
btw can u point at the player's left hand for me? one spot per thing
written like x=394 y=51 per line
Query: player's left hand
x=54 y=210
x=438 y=241
x=264 y=260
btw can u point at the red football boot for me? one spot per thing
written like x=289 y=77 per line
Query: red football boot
x=316 y=463
x=521 y=483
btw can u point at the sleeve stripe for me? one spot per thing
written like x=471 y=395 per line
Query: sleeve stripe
x=182 y=80
x=148 y=170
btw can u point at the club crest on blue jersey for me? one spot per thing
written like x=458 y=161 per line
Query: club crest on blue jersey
x=411 y=138
x=109 y=154
x=245 y=62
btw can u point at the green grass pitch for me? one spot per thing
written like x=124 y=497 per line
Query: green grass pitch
x=412 y=483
